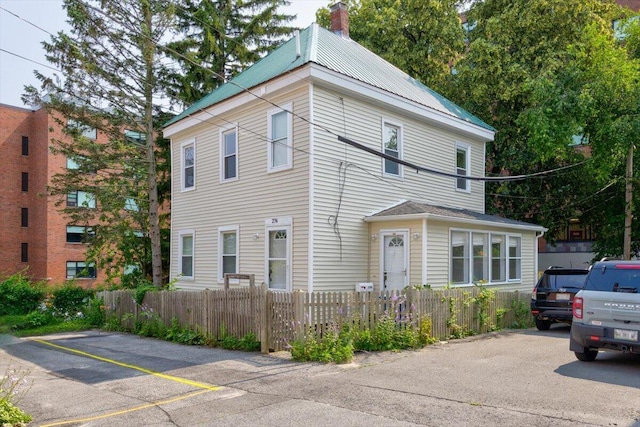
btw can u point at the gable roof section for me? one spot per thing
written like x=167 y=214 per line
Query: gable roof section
x=344 y=56
x=415 y=210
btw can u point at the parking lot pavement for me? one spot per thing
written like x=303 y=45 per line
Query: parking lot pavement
x=501 y=379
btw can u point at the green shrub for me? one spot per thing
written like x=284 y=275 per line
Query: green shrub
x=94 y=313
x=19 y=296
x=12 y=415
x=334 y=346
x=70 y=299
x=13 y=386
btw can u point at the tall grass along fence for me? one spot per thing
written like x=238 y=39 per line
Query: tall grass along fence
x=277 y=318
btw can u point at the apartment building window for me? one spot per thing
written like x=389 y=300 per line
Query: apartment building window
x=24 y=220
x=188 y=150
x=186 y=254
x=463 y=166
x=79 y=234
x=24 y=252
x=227 y=251
x=391 y=146
x=81 y=199
x=81 y=270
x=85 y=130
x=25 y=181
x=280 y=144
x=25 y=145
x=228 y=154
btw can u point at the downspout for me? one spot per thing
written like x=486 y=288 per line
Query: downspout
x=535 y=263
x=424 y=251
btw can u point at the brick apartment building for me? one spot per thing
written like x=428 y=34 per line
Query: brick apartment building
x=34 y=235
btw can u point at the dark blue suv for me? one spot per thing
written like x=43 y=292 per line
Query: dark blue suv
x=552 y=298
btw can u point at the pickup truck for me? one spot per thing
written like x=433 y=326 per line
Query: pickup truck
x=606 y=312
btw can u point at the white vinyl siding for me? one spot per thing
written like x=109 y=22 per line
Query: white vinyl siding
x=356 y=188
x=280 y=139
x=248 y=201
x=188 y=165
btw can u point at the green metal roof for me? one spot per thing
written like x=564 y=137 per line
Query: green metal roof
x=344 y=56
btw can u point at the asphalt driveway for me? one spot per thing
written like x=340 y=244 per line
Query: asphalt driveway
x=502 y=379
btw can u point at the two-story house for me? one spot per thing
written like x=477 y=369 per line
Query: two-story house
x=266 y=182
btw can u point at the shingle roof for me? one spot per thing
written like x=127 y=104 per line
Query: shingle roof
x=344 y=56
x=423 y=209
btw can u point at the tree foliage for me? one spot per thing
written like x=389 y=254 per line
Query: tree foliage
x=516 y=75
x=219 y=38
x=422 y=38
x=109 y=82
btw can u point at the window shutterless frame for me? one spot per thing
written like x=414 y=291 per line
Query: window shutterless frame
x=229 y=153
x=463 y=166
x=186 y=254
x=280 y=138
x=392 y=145
x=228 y=251
x=188 y=165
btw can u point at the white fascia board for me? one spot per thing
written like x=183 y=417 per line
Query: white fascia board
x=339 y=82
x=411 y=217
x=285 y=81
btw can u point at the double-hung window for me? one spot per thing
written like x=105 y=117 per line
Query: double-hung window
x=81 y=270
x=186 y=251
x=391 y=146
x=81 y=199
x=227 y=251
x=79 y=234
x=188 y=165
x=280 y=143
x=478 y=256
x=463 y=166
x=229 y=154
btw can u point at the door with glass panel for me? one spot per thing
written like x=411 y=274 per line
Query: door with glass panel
x=278 y=258
x=394 y=261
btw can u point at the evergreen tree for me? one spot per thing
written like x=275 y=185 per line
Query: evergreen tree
x=219 y=38
x=110 y=65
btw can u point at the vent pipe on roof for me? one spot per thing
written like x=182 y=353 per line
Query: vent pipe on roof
x=340 y=19
x=297 y=37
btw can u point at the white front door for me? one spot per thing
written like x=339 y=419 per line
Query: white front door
x=394 y=254
x=278 y=253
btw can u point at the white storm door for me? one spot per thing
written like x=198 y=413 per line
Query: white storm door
x=278 y=257
x=394 y=262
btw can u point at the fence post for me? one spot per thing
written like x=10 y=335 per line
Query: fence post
x=265 y=323
x=298 y=314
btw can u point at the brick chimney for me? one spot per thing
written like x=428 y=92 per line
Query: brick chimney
x=340 y=19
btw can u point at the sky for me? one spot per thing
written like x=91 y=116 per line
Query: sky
x=22 y=38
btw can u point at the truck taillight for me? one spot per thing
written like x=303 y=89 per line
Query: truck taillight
x=577 y=307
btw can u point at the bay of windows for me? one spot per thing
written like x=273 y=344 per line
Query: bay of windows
x=485 y=257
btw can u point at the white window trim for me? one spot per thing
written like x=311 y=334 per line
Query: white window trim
x=470 y=232
x=223 y=131
x=400 y=127
x=221 y=231
x=278 y=223
x=289 y=143
x=467 y=149
x=191 y=233
x=183 y=146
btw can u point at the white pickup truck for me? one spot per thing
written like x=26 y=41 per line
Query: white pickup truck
x=606 y=312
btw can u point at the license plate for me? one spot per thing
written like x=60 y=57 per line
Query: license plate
x=563 y=297
x=623 y=334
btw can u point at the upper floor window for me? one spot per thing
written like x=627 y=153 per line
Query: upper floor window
x=392 y=146
x=25 y=145
x=81 y=270
x=188 y=168
x=25 y=181
x=227 y=251
x=228 y=154
x=131 y=205
x=185 y=250
x=463 y=166
x=24 y=220
x=79 y=234
x=81 y=199
x=85 y=130
x=24 y=252
x=279 y=129
x=134 y=137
